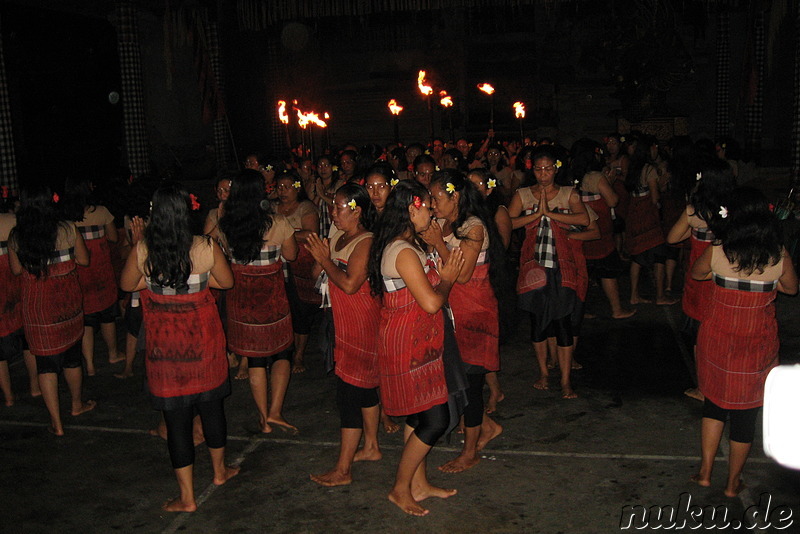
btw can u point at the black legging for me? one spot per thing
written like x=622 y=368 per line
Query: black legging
x=351 y=399
x=179 y=430
x=431 y=424
x=743 y=422
x=473 y=412
x=561 y=329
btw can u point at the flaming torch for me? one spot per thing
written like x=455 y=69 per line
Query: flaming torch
x=427 y=91
x=489 y=90
x=313 y=118
x=395 y=109
x=284 y=118
x=327 y=131
x=447 y=103
x=519 y=112
x=302 y=122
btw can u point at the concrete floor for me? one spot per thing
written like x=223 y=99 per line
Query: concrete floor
x=569 y=466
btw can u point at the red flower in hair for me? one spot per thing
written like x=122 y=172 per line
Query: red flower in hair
x=382 y=157
x=5 y=191
x=771 y=207
x=361 y=181
x=417 y=202
x=195 y=203
x=410 y=167
x=528 y=164
x=55 y=198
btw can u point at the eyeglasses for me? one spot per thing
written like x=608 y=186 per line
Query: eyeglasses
x=545 y=169
x=379 y=187
x=285 y=187
x=322 y=165
x=424 y=173
x=223 y=190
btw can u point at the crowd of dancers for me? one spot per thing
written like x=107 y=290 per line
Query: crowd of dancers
x=409 y=264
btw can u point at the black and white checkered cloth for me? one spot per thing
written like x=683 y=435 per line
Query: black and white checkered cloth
x=136 y=299
x=722 y=127
x=753 y=286
x=754 y=113
x=3 y=247
x=325 y=220
x=8 y=159
x=590 y=197
x=93 y=231
x=323 y=284
x=796 y=110
x=545 y=252
x=703 y=234
x=269 y=254
x=194 y=284
x=130 y=67
x=60 y=256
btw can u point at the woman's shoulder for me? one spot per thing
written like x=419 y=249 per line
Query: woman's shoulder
x=305 y=207
x=591 y=181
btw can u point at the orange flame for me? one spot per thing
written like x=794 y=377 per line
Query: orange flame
x=519 y=110
x=486 y=88
x=302 y=119
x=282 y=112
x=314 y=119
x=394 y=107
x=326 y=116
x=446 y=100
x=424 y=89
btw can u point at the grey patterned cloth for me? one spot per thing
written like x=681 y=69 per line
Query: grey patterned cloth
x=60 y=256
x=269 y=254
x=753 y=286
x=93 y=231
x=194 y=284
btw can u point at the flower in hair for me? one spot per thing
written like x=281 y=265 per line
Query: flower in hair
x=528 y=164
x=394 y=181
x=558 y=164
x=622 y=139
x=772 y=207
x=297 y=184
x=352 y=204
x=437 y=168
x=410 y=167
x=5 y=191
x=698 y=176
x=268 y=167
x=334 y=168
x=598 y=150
x=723 y=212
x=195 y=203
x=417 y=202
x=382 y=157
x=428 y=152
x=491 y=183
x=55 y=198
x=450 y=188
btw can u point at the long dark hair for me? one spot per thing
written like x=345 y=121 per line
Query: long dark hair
x=472 y=204
x=168 y=237
x=715 y=184
x=493 y=201
x=395 y=220
x=750 y=234
x=247 y=216
x=35 y=234
x=639 y=158
x=586 y=156
x=357 y=192
x=77 y=197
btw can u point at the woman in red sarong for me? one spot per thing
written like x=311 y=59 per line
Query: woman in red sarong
x=98 y=284
x=259 y=321
x=412 y=337
x=300 y=285
x=356 y=314
x=644 y=238
x=617 y=161
x=10 y=313
x=713 y=183
x=552 y=280
x=44 y=249
x=185 y=360
x=737 y=344
x=464 y=223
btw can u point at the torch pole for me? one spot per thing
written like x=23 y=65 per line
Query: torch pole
x=430 y=112
x=397 y=129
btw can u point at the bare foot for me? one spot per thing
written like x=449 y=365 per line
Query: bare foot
x=228 y=474
x=623 y=314
x=283 y=425
x=589 y=316
x=541 y=384
x=551 y=364
x=55 y=432
x=160 y=432
x=735 y=491
x=640 y=300
x=332 y=478
x=116 y=359
x=298 y=368
x=576 y=366
x=242 y=374
x=423 y=492
x=462 y=463
x=488 y=433
x=695 y=393
x=700 y=480
x=407 y=504
x=389 y=426
x=36 y=393
x=9 y=402
x=491 y=405
x=123 y=375
x=90 y=371
x=666 y=301
x=368 y=455
x=232 y=360
x=177 y=505
x=85 y=407
x=568 y=393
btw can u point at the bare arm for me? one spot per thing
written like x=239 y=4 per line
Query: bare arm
x=787 y=283
x=132 y=279
x=13 y=261
x=111 y=232
x=309 y=224
x=607 y=192
x=429 y=298
x=289 y=248
x=515 y=213
x=471 y=248
x=591 y=233
x=81 y=252
x=578 y=214
x=352 y=280
x=221 y=276
x=504 y=227
x=701 y=270
x=681 y=229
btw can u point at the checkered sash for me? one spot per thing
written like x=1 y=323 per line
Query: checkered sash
x=269 y=254
x=93 y=231
x=545 y=251
x=590 y=197
x=323 y=284
x=753 y=286
x=60 y=256
x=130 y=67
x=641 y=191
x=796 y=110
x=703 y=234
x=3 y=248
x=324 y=219
x=396 y=284
x=8 y=160
x=136 y=300
x=194 y=284
x=722 y=127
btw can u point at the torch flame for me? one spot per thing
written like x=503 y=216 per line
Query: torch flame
x=326 y=116
x=394 y=107
x=446 y=101
x=302 y=119
x=282 y=112
x=519 y=110
x=486 y=88
x=314 y=118
x=424 y=89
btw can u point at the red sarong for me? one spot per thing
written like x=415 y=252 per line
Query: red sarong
x=600 y=248
x=356 y=319
x=569 y=253
x=98 y=285
x=642 y=226
x=10 y=311
x=304 y=281
x=185 y=345
x=410 y=349
x=52 y=310
x=737 y=346
x=259 y=322
x=696 y=293
x=477 y=325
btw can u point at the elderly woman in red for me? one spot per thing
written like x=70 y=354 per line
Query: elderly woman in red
x=44 y=250
x=737 y=344
x=466 y=225
x=356 y=313
x=411 y=336
x=186 y=365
